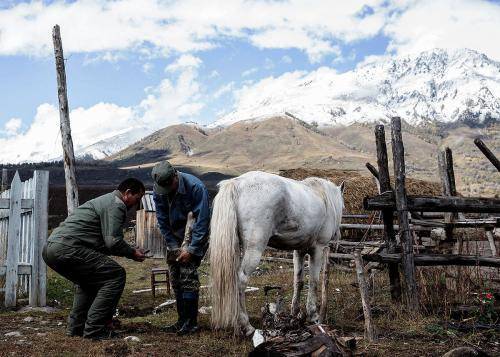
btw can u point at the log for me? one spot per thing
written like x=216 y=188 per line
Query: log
x=487 y=152
x=406 y=238
x=434 y=203
x=436 y=259
x=373 y=170
x=67 y=141
x=325 y=278
x=363 y=290
x=387 y=214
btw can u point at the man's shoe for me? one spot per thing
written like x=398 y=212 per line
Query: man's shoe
x=181 y=319
x=102 y=336
x=191 y=310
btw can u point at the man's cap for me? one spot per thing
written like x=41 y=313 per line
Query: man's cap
x=162 y=174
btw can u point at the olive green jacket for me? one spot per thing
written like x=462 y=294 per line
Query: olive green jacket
x=97 y=224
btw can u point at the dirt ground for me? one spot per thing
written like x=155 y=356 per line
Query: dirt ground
x=42 y=333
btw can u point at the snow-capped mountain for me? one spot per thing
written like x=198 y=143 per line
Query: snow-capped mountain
x=438 y=85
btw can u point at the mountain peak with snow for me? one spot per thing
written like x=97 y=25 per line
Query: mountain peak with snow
x=445 y=86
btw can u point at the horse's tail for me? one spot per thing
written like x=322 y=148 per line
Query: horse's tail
x=225 y=258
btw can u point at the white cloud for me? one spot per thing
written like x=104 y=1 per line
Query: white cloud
x=156 y=27
x=223 y=90
x=147 y=67
x=451 y=24
x=214 y=74
x=286 y=59
x=173 y=100
x=183 y=62
x=249 y=72
x=12 y=126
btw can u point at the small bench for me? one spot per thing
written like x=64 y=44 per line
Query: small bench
x=156 y=275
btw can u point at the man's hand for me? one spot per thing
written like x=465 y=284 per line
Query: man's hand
x=139 y=255
x=184 y=257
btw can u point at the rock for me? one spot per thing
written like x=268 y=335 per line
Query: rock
x=133 y=339
x=59 y=323
x=205 y=310
x=13 y=334
x=464 y=352
x=29 y=319
x=44 y=322
x=41 y=334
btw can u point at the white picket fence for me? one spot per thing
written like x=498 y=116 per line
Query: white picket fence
x=23 y=232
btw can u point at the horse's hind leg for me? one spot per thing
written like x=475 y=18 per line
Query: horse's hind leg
x=315 y=263
x=251 y=258
x=298 y=280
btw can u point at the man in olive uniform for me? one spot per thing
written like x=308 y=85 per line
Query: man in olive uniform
x=176 y=194
x=78 y=250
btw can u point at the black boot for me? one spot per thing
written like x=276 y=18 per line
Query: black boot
x=181 y=313
x=191 y=309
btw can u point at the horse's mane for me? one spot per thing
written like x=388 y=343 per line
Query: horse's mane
x=329 y=193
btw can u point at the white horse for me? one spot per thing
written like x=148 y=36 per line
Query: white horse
x=259 y=209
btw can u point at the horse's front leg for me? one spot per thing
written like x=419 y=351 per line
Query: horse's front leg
x=298 y=280
x=315 y=263
x=251 y=259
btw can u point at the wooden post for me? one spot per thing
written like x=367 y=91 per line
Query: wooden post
x=445 y=161
x=387 y=215
x=13 y=240
x=67 y=141
x=4 y=180
x=325 y=277
x=491 y=241
x=402 y=208
x=487 y=152
x=38 y=283
x=369 y=328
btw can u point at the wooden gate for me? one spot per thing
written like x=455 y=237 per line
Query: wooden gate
x=23 y=232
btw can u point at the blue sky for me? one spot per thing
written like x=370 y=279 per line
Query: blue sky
x=155 y=63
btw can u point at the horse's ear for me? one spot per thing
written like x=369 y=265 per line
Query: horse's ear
x=342 y=187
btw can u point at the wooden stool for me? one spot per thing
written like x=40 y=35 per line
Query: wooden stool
x=155 y=282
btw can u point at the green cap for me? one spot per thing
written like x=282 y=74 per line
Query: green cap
x=162 y=173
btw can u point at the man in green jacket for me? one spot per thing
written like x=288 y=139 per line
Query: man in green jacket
x=78 y=250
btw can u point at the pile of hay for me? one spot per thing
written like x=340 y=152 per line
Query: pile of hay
x=357 y=186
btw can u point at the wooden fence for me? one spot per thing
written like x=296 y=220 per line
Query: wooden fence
x=23 y=232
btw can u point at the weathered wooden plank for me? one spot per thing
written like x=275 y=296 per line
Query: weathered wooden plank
x=387 y=215
x=406 y=238
x=22 y=269
x=435 y=203
x=38 y=287
x=13 y=238
x=363 y=290
x=67 y=141
x=4 y=180
x=487 y=152
x=26 y=203
x=491 y=241
x=436 y=259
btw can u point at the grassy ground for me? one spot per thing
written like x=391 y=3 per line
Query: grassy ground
x=399 y=334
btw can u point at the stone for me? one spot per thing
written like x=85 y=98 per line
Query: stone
x=13 y=334
x=133 y=339
x=29 y=319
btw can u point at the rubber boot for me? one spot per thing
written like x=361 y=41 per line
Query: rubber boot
x=181 y=316
x=191 y=310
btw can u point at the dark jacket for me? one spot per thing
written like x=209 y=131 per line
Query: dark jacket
x=96 y=224
x=191 y=196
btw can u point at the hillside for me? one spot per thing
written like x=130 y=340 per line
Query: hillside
x=282 y=143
